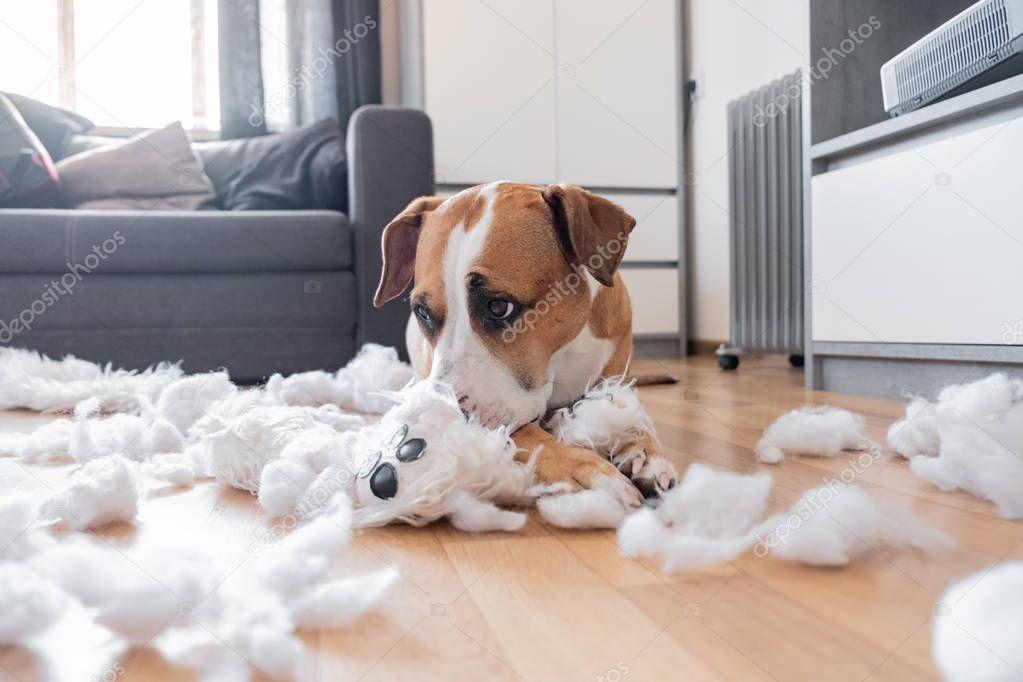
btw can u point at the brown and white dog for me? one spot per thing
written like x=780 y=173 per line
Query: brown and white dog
x=517 y=304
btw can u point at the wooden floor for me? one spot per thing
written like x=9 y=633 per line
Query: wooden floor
x=547 y=604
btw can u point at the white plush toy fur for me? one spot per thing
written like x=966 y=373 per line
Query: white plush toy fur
x=291 y=443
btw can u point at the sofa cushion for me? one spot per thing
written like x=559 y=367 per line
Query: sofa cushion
x=54 y=127
x=154 y=170
x=300 y=169
x=172 y=241
x=28 y=177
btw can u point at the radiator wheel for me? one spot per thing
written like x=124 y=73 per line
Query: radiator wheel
x=728 y=362
x=796 y=360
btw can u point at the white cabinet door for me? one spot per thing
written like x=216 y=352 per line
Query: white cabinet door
x=924 y=245
x=488 y=70
x=617 y=93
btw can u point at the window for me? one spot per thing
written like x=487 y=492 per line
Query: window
x=121 y=63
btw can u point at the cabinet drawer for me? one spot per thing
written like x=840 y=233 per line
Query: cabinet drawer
x=655 y=237
x=923 y=245
x=654 y=294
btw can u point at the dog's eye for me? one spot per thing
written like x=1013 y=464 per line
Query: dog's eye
x=500 y=309
x=411 y=450
x=384 y=482
x=422 y=312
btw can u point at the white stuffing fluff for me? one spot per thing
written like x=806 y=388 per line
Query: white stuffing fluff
x=714 y=516
x=608 y=418
x=583 y=509
x=35 y=382
x=102 y=491
x=373 y=371
x=472 y=515
x=195 y=604
x=175 y=468
x=978 y=626
x=46 y=442
x=28 y=603
x=708 y=518
x=18 y=539
x=817 y=431
x=186 y=400
x=917 y=434
x=135 y=437
x=829 y=526
x=975 y=443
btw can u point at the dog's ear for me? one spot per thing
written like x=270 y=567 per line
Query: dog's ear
x=398 y=244
x=591 y=230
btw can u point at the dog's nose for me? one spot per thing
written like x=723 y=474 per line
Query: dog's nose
x=445 y=368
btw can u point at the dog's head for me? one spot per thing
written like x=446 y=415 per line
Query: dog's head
x=503 y=275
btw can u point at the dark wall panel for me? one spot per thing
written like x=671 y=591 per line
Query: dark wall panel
x=846 y=82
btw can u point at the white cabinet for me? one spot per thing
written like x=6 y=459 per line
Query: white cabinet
x=655 y=237
x=617 y=93
x=923 y=245
x=655 y=299
x=574 y=91
x=488 y=81
x=554 y=90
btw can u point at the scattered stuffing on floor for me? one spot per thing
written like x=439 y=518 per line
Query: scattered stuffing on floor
x=195 y=606
x=830 y=526
x=714 y=516
x=970 y=439
x=978 y=626
x=33 y=381
x=103 y=491
x=28 y=603
x=817 y=431
x=917 y=434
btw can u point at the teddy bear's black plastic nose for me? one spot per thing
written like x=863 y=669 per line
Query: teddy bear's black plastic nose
x=384 y=482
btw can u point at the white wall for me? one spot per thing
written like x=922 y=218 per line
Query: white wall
x=734 y=46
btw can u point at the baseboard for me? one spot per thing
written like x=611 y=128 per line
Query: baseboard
x=703 y=347
x=656 y=346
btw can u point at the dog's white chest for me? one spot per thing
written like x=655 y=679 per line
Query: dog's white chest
x=576 y=366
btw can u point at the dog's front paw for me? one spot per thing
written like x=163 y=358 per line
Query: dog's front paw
x=656 y=477
x=617 y=485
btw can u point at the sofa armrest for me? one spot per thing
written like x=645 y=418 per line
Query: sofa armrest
x=390 y=163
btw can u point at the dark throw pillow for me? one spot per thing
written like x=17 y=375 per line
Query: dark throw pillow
x=154 y=170
x=301 y=169
x=53 y=126
x=28 y=178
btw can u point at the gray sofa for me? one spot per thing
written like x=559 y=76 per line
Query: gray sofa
x=256 y=292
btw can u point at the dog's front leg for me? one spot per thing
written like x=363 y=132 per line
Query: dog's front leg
x=579 y=468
